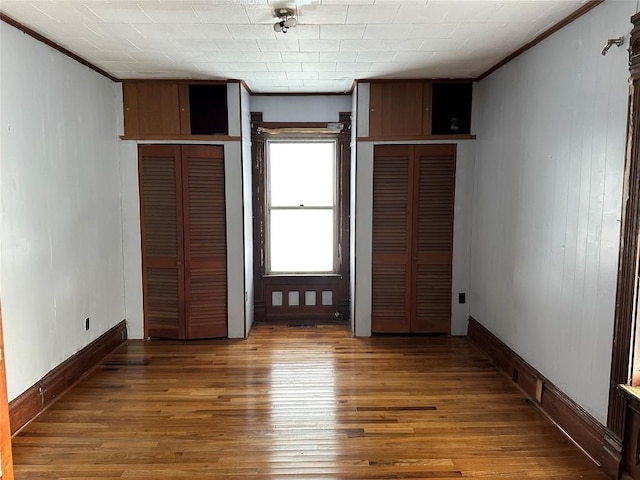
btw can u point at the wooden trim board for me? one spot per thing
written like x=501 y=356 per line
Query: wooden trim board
x=584 y=430
x=54 y=384
x=183 y=138
x=416 y=138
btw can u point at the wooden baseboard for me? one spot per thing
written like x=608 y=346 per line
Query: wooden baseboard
x=584 y=430
x=46 y=391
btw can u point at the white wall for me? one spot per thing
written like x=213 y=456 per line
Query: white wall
x=465 y=158
x=233 y=109
x=352 y=208
x=548 y=183
x=300 y=108
x=61 y=235
x=131 y=240
x=362 y=252
x=245 y=116
x=235 y=240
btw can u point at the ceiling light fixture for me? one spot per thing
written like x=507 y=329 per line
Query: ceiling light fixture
x=287 y=20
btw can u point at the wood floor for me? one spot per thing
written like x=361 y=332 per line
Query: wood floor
x=297 y=403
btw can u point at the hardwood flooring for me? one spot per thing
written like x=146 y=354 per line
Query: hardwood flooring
x=297 y=403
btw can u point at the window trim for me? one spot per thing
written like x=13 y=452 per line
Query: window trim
x=301 y=138
x=625 y=336
x=340 y=282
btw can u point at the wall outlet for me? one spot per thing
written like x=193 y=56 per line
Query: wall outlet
x=87 y=324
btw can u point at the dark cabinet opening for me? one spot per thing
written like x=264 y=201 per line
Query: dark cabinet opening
x=451 y=109
x=208 y=109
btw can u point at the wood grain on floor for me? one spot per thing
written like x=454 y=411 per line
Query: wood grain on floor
x=305 y=404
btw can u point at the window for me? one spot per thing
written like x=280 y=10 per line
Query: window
x=301 y=206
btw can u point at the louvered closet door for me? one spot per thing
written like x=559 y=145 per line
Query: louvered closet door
x=162 y=248
x=392 y=211
x=205 y=242
x=433 y=241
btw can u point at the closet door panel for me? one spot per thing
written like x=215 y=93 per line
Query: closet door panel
x=392 y=209
x=162 y=247
x=433 y=242
x=390 y=313
x=158 y=108
x=205 y=241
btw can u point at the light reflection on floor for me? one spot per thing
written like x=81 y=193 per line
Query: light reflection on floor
x=303 y=417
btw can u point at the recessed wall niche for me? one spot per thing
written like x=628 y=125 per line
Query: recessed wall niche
x=451 y=109
x=208 y=109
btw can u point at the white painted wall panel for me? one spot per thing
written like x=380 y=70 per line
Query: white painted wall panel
x=363 y=250
x=245 y=108
x=307 y=108
x=61 y=235
x=550 y=154
x=465 y=166
x=465 y=160
x=132 y=241
x=352 y=209
x=235 y=237
x=233 y=109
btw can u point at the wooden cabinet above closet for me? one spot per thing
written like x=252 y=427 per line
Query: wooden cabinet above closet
x=419 y=110
x=163 y=109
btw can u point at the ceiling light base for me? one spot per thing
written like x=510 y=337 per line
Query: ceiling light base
x=283 y=12
x=287 y=20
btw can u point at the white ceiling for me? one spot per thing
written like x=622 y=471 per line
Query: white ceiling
x=335 y=42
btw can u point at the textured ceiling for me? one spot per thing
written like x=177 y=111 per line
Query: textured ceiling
x=335 y=42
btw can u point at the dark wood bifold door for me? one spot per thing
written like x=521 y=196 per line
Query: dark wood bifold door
x=413 y=198
x=182 y=213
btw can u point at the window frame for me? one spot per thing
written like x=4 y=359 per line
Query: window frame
x=626 y=337
x=291 y=138
x=339 y=283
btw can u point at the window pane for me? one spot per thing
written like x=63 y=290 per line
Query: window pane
x=301 y=174
x=301 y=240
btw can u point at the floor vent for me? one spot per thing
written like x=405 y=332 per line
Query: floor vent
x=303 y=325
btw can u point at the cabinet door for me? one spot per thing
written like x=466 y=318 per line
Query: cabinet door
x=162 y=240
x=433 y=240
x=205 y=242
x=151 y=109
x=395 y=108
x=392 y=211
